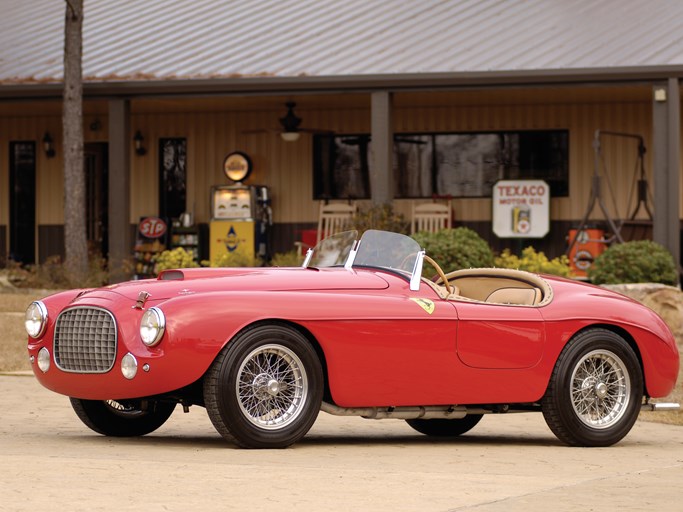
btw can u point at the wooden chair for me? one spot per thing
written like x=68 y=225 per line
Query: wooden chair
x=430 y=217
x=333 y=218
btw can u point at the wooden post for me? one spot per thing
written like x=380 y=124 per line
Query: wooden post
x=381 y=174
x=666 y=119
x=119 y=189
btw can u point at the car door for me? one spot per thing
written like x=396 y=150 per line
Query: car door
x=496 y=336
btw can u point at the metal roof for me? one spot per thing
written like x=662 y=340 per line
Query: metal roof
x=133 y=40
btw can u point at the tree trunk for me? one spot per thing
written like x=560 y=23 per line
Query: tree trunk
x=75 y=239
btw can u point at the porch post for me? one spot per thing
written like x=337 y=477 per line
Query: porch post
x=119 y=189
x=381 y=174
x=666 y=165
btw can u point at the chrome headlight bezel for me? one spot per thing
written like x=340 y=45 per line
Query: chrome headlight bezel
x=35 y=321
x=152 y=326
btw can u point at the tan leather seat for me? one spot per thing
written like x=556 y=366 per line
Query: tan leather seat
x=519 y=296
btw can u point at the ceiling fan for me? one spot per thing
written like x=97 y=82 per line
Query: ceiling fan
x=290 y=129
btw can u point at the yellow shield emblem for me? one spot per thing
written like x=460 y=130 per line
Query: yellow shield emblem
x=425 y=304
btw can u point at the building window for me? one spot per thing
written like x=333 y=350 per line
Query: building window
x=341 y=166
x=446 y=164
x=172 y=177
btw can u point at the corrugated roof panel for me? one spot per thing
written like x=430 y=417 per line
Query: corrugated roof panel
x=165 y=39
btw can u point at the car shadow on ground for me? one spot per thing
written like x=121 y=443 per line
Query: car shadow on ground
x=203 y=441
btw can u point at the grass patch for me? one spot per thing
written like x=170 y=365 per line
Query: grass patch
x=13 y=353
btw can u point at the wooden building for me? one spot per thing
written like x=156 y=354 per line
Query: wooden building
x=443 y=81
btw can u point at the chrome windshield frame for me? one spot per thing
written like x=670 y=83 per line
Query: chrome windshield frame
x=352 y=256
x=307 y=259
x=416 y=276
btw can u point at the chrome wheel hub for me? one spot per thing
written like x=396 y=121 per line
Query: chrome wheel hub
x=271 y=386
x=600 y=389
x=264 y=386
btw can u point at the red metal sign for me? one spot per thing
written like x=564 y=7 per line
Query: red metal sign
x=152 y=227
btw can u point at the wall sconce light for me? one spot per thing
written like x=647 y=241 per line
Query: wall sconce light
x=47 y=145
x=137 y=139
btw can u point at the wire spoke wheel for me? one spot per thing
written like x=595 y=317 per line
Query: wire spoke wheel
x=265 y=388
x=271 y=386
x=122 y=418
x=593 y=397
x=600 y=389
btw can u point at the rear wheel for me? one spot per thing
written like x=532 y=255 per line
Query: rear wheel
x=265 y=388
x=595 y=391
x=126 y=418
x=445 y=428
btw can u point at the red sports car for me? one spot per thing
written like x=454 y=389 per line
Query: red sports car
x=356 y=331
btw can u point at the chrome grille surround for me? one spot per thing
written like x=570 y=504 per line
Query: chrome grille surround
x=85 y=340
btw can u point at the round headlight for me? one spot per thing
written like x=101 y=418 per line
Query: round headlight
x=36 y=319
x=152 y=326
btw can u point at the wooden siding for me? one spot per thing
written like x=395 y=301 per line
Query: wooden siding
x=215 y=127
x=286 y=167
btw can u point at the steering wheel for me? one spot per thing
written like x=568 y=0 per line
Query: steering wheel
x=442 y=276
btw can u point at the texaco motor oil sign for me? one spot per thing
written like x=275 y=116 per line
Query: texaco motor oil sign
x=521 y=208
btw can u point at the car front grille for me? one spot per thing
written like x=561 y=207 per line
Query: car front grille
x=85 y=340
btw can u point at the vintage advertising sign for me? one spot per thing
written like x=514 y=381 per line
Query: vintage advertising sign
x=152 y=227
x=521 y=208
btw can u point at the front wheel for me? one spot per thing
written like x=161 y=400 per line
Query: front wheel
x=440 y=427
x=595 y=391
x=122 y=418
x=265 y=388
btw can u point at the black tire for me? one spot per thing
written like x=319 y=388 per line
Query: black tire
x=445 y=428
x=123 y=418
x=595 y=391
x=265 y=388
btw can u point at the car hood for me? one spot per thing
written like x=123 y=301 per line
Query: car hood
x=174 y=283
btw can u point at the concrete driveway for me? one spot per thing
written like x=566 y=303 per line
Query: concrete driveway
x=50 y=461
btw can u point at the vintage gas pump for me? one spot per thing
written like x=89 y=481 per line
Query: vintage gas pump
x=240 y=214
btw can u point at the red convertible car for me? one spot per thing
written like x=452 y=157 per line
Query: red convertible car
x=356 y=331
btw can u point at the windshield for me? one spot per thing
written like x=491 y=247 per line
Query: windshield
x=379 y=249
x=332 y=251
x=387 y=250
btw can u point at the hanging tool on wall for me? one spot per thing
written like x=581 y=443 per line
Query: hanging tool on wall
x=614 y=222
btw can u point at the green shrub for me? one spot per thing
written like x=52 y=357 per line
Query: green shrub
x=641 y=261
x=174 y=258
x=536 y=262
x=457 y=248
x=286 y=259
x=382 y=217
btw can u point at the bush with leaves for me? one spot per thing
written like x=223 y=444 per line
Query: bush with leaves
x=536 y=262
x=174 y=258
x=286 y=259
x=235 y=259
x=53 y=274
x=641 y=261
x=457 y=248
x=382 y=217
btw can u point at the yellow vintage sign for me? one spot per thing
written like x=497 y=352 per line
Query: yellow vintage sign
x=229 y=237
x=425 y=304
